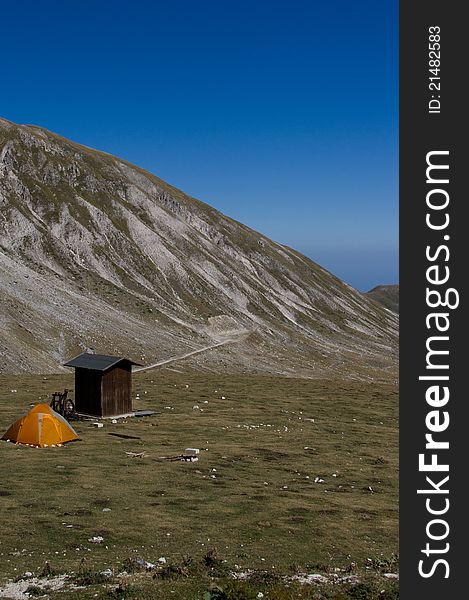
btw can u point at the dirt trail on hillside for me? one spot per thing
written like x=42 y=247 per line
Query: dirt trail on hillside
x=192 y=353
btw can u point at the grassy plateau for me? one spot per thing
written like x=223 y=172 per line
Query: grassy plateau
x=294 y=477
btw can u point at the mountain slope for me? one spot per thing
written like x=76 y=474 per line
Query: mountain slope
x=97 y=253
x=387 y=295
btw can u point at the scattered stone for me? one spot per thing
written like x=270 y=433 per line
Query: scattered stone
x=311 y=578
x=348 y=579
x=145 y=564
x=17 y=590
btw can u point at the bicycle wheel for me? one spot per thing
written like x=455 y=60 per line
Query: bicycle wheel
x=69 y=407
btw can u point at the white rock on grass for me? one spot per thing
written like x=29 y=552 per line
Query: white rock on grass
x=311 y=578
x=16 y=590
x=145 y=564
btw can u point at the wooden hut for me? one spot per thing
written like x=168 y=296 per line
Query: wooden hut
x=103 y=384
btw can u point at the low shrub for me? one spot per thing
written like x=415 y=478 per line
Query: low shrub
x=34 y=590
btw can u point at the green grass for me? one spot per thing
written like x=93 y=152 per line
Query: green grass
x=251 y=495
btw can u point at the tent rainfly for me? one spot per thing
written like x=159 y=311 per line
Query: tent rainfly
x=42 y=427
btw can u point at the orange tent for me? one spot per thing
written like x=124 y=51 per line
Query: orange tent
x=41 y=427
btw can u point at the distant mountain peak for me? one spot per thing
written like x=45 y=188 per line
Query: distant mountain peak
x=387 y=295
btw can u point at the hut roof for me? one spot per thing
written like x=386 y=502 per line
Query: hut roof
x=97 y=362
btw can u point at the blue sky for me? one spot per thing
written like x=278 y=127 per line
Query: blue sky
x=281 y=114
